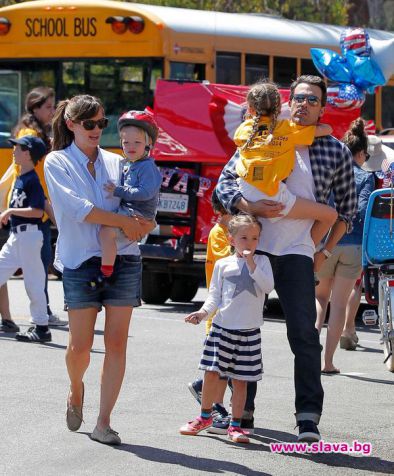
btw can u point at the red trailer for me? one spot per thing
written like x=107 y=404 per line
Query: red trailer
x=197 y=121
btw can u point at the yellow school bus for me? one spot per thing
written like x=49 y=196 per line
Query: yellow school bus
x=117 y=51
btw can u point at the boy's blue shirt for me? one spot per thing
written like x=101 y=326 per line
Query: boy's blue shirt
x=27 y=192
x=141 y=185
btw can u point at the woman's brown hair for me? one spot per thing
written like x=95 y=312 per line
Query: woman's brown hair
x=77 y=108
x=35 y=99
x=355 y=137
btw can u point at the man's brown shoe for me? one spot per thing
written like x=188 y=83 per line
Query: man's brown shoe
x=74 y=416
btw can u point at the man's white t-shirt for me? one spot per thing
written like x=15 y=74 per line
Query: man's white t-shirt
x=288 y=236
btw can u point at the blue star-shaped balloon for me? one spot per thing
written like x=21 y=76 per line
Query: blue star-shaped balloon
x=354 y=73
x=243 y=282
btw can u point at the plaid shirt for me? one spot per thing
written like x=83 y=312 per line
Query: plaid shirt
x=332 y=170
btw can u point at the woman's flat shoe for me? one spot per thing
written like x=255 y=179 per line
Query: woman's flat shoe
x=331 y=372
x=347 y=343
x=107 y=436
x=74 y=415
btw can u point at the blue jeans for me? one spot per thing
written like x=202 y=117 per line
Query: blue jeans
x=124 y=291
x=295 y=286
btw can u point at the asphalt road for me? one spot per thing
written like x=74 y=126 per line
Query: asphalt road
x=163 y=354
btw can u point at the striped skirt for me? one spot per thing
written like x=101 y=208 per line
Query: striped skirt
x=233 y=353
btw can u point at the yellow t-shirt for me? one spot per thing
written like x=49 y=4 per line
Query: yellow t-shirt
x=218 y=247
x=265 y=165
x=39 y=168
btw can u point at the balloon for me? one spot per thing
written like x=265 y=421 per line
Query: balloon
x=359 y=70
x=345 y=96
x=355 y=41
x=383 y=55
x=365 y=71
x=331 y=64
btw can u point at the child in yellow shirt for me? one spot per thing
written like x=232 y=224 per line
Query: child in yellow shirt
x=266 y=146
x=218 y=247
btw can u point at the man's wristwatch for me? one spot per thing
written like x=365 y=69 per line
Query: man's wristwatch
x=326 y=253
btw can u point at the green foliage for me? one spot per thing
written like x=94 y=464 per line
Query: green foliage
x=322 y=11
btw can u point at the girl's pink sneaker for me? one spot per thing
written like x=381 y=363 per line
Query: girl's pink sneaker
x=238 y=435
x=194 y=427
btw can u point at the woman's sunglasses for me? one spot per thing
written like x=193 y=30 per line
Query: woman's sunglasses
x=311 y=99
x=90 y=124
x=367 y=156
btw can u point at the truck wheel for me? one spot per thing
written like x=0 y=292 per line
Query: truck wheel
x=184 y=288
x=155 y=287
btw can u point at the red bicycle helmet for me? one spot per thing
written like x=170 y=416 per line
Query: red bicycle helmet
x=142 y=119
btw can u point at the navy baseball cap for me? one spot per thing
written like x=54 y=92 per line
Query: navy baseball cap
x=35 y=145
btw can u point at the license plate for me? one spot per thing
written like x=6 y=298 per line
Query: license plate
x=173 y=203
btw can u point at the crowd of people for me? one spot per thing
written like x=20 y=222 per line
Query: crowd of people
x=291 y=204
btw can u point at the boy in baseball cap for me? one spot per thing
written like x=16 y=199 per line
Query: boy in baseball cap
x=23 y=247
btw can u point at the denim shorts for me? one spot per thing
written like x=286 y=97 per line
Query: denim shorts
x=124 y=291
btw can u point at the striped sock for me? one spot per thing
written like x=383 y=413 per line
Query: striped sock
x=235 y=423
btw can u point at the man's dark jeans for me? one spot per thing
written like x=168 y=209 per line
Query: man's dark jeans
x=295 y=286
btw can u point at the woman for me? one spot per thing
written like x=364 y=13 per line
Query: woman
x=340 y=271
x=76 y=172
x=36 y=121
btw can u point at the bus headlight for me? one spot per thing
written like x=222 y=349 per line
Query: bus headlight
x=120 y=25
x=5 y=26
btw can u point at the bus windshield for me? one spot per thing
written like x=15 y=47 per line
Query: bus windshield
x=121 y=84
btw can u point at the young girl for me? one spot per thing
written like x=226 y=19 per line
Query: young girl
x=267 y=153
x=233 y=346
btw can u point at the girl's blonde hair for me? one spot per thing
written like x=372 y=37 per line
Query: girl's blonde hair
x=240 y=220
x=264 y=98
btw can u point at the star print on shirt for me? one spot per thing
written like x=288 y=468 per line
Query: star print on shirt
x=243 y=282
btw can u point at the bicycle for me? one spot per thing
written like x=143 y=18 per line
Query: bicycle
x=378 y=264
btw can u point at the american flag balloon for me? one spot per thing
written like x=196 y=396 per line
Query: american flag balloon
x=345 y=96
x=356 y=41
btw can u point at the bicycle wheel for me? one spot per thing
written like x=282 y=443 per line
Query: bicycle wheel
x=386 y=325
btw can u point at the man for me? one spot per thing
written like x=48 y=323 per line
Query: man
x=324 y=167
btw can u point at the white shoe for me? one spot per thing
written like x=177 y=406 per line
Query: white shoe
x=53 y=321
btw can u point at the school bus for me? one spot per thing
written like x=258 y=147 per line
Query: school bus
x=118 y=51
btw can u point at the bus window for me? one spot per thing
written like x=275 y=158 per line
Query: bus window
x=368 y=108
x=387 y=107
x=191 y=71
x=9 y=103
x=285 y=71
x=256 y=67
x=307 y=67
x=228 y=68
x=120 y=84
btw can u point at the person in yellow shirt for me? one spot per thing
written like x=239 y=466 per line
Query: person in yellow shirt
x=36 y=121
x=266 y=146
x=218 y=246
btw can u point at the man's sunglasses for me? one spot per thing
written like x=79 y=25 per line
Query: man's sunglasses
x=90 y=124
x=312 y=100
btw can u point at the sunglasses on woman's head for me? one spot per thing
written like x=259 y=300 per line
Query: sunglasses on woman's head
x=90 y=124
x=311 y=99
